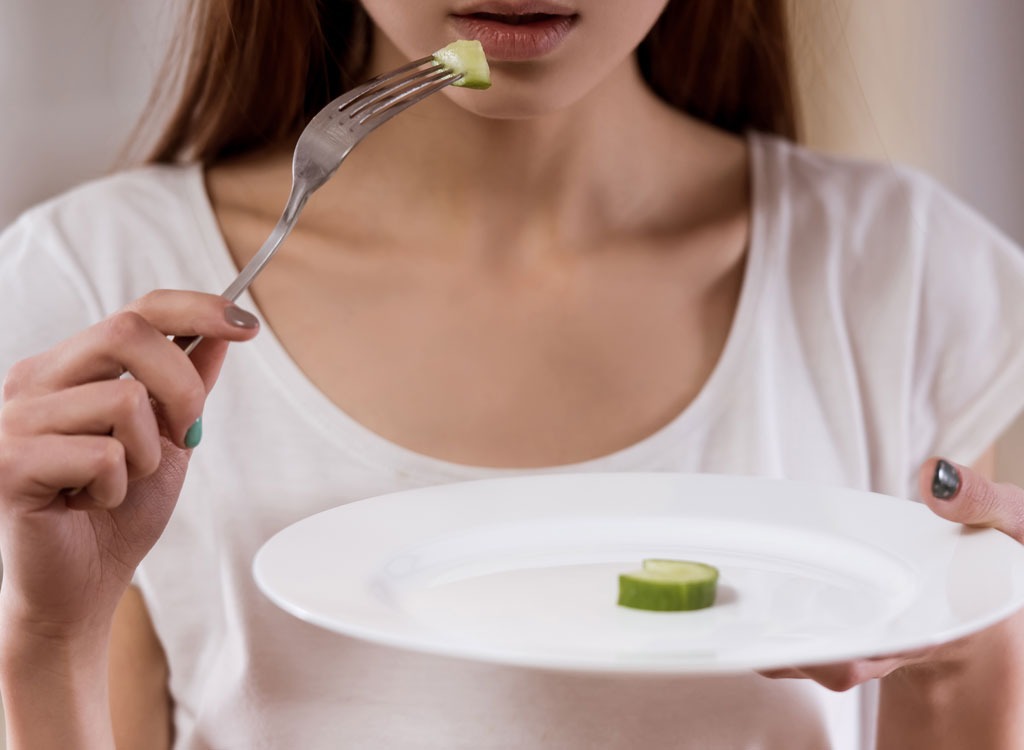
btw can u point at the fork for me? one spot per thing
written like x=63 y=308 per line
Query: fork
x=328 y=139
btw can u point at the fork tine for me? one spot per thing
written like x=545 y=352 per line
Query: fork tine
x=374 y=83
x=386 y=86
x=395 y=88
x=381 y=114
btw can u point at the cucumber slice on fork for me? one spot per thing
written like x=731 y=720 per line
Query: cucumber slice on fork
x=466 y=58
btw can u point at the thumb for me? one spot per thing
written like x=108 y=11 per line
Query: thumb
x=960 y=494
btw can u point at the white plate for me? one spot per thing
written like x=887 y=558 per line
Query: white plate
x=524 y=571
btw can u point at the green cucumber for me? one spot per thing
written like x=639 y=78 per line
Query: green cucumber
x=467 y=59
x=669 y=586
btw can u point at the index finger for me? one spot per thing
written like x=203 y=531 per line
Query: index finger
x=101 y=352
x=184 y=313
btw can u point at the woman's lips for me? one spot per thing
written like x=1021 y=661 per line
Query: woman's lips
x=515 y=36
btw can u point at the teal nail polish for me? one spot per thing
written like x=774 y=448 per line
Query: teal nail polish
x=194 y=434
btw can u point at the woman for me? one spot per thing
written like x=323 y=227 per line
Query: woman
x=588 y=267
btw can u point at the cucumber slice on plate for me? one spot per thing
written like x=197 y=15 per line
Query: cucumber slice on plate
x=466 y=57
x=669 y=586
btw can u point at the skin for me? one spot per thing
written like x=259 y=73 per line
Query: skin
x=537 y=226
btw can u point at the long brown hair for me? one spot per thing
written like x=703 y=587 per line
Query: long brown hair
x=234 y=67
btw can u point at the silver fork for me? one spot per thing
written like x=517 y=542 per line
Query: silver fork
x=328 y=139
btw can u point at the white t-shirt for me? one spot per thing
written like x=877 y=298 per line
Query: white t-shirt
x=880 y=322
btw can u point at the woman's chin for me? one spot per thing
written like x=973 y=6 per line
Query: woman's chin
x=498 y=104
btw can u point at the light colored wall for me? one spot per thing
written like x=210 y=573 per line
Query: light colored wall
x=934 y=83
x=73 y=77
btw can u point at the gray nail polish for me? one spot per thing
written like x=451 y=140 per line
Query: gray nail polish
x=946 y=482
x=240 y=318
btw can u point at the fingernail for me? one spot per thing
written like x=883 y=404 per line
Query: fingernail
x=194 y=434
x=946 y=482
x=240 y=318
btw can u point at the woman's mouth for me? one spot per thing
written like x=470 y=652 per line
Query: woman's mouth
x=508 y=33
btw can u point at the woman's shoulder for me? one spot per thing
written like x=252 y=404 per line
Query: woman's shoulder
x=117 y=236
x=150 y=191
x=924 y=290
x=866 y=209
x=844 y=173
x=140 y=217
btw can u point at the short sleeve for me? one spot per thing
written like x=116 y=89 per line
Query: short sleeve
x=44 y=293
x=969 y=353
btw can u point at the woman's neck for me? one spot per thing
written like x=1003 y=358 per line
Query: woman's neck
x=617 y=162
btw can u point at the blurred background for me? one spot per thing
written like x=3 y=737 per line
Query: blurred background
x=933 y=83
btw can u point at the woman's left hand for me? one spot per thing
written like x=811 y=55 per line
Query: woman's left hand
x=957 y=493
x=961 y=494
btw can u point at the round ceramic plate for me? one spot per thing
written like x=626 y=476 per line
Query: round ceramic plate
x=524 y=571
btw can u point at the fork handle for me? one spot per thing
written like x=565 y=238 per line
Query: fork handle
x=296 y=202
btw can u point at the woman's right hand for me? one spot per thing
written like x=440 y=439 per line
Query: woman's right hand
x=91 y=463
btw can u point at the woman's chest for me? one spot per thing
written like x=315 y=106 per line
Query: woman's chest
x=507 y=367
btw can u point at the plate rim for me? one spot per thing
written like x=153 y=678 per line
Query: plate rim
x=567 y=663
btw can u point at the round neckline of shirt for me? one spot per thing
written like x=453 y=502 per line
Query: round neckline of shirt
x=313 y=405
